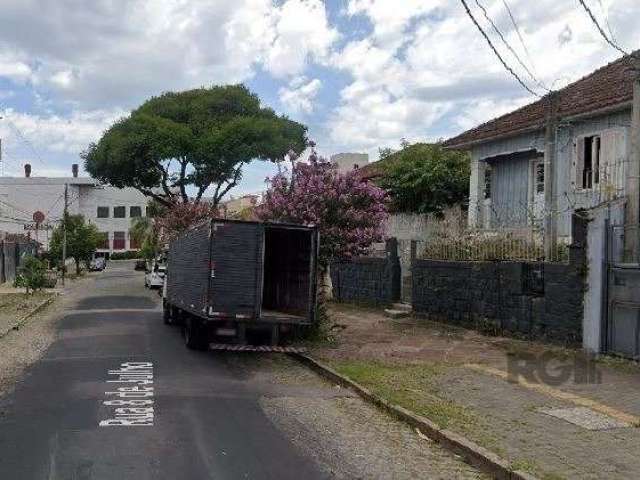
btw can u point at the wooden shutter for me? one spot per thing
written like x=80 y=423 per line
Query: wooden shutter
x=612 y=161
x=578 y=156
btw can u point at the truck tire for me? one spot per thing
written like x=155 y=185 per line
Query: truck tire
x=166 y=313
x=195 y=337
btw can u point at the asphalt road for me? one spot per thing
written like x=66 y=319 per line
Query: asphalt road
x=204 y=421
x=118 y=396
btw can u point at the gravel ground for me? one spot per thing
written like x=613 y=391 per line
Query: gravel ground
x=14 y=306
x=20 y=348
x=349 y=438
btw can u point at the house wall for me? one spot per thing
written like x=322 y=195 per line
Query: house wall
x=515 y=178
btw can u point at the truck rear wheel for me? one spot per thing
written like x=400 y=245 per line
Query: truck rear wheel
x=195 y=335
x=167 y=310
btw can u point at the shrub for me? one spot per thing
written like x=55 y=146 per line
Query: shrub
x=31 y=274
x=129 y=255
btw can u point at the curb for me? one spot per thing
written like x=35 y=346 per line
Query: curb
x=26 y=317
x=474 y=454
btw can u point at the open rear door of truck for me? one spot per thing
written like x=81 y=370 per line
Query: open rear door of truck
x=236 y=269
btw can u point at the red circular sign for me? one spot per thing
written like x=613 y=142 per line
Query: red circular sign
x=38 y=217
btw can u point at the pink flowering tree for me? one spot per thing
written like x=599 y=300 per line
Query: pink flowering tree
x=349 y=211
x=178 y=217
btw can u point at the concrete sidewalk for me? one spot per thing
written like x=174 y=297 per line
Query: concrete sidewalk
x=549 y=411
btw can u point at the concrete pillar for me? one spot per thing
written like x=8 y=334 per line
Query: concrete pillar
x=476 y=192
x=550 y=153
x=632 y=187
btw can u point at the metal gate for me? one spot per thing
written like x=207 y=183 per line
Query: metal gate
x=622 y=332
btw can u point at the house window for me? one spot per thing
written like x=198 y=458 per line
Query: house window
x=103 y=241
x=103 y=212
x=487 y=182
x=119 y=240
x=119 y=212
x=539 y=177
x=135 y=212
x=133 y=243
x=588 y=164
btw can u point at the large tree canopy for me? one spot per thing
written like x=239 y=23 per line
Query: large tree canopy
x=424 y=178
x=198 y=138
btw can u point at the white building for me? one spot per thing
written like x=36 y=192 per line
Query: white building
x=110 y=209
x=349 y=161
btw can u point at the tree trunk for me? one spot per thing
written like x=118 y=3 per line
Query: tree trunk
x=77 y=262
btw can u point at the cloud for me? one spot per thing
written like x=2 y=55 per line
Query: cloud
x=424 y=69
x=300 y=95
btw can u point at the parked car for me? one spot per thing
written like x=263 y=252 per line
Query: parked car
x=140 y=265
x=97 y=264
x=154 y=278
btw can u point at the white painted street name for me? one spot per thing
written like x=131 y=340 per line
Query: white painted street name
x=133 y=401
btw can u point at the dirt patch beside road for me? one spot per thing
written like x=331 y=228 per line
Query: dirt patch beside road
x=22 y=347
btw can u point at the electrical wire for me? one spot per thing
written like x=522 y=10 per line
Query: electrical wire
x=509 y=47
x=495 y=50
x=600 y=29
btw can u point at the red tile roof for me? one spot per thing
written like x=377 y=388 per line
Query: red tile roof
x=608 y=86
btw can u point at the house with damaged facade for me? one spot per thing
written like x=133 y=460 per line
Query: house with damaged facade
x=567 y=151
x=566 y=166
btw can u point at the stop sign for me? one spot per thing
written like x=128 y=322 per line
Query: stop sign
x=38 y=216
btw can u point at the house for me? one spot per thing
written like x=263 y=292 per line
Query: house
x=110 y=209
x=512 y=185
x=346 y=162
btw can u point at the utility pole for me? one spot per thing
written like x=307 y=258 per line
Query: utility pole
x=632 y=217
x=550 y=207
x=64 y=231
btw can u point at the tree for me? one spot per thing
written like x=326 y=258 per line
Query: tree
x=145 y=231
x=189 y=140
x=350 y=212
x=179 y=217
x=425 y=178
x=82 y=240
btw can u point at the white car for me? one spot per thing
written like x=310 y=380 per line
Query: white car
x=154 y=278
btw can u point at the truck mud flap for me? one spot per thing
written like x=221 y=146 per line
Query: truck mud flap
x=255 y=348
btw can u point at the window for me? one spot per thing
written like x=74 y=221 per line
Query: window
x=539 y=177
x=133 y=243
x=487 y=182
x=119 y=240
x=135 y=212
x=103 y=212
x=103 y=241
x=119 y=212
x=588 y=162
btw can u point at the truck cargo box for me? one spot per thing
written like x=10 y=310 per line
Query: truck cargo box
x=245 y=272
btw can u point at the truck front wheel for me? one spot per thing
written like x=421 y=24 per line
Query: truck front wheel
x=195 y=337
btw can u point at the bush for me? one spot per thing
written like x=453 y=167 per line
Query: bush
x=130 y=255
x=31 y=274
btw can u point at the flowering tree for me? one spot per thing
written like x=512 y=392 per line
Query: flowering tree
x=350 y=212
x=178 y=217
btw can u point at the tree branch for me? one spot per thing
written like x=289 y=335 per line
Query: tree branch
x=183 y=172
x=159 y=198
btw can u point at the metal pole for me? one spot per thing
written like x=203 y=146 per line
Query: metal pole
x=550 y=234
x=64 y=231
x=631 y=243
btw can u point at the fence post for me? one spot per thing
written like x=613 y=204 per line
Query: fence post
x=391 y=247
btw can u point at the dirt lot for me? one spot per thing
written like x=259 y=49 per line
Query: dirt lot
x=14 y=306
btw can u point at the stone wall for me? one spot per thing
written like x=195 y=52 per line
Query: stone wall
x=542 y=300
x=369 y=280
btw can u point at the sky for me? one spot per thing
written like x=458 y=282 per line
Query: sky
x=361 y=74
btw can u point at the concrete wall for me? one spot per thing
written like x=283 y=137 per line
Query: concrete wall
x=594 y=301
x=366 y=280
x=543 y=300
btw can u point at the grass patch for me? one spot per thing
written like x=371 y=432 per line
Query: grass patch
x=410 y=386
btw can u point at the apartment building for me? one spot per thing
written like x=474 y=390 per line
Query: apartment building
x=25 y=200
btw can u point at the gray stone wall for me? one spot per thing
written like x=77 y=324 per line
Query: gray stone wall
x=369 y=280
x=540 y=300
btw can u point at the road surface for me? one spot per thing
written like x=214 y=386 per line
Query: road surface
x=118 y=396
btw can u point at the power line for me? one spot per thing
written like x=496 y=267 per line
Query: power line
x=508 y=45
x=599 y=27
x=495 y=50
x=519 y=33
